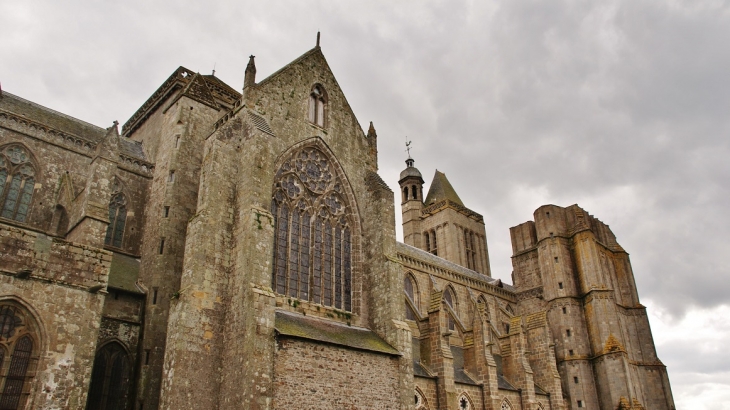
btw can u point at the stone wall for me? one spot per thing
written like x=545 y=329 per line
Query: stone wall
x=318 y=376
x=56 y=294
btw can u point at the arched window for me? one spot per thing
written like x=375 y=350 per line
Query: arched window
x=313 y=231
x=117 y=220
x=411 y=291
x=463 y=402
x=405 y=194
x=433 y=248
x=17 y=182
x=505 y=405
x=483 y=307
x=109 y=379
x=18 y=355
x=450 y=300
x=414 y=192
x=470 y=249
x=317 y=105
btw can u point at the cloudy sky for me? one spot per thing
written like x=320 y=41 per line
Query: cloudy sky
x=619 y=106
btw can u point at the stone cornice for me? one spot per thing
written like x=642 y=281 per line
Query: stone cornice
x=453 y=276
x=47 y=134
x=444 y=204
x=176 y=81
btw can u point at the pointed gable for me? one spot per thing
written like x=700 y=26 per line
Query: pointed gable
x=441 y=189
x=197 y=90
x=293 y=84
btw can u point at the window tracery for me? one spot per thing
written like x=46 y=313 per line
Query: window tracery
x=317 y=105
x=463 y=402
x=313 y=228
x=17 y=182
x=117 y=218
x=420 y=401
x=18 y=355
x=505 y=405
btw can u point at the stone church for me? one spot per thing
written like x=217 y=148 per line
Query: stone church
x=237 y=250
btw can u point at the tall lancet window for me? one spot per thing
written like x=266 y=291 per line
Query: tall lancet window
x=117 y=220
x=317 y=105
x=313 y=232
x=17 y=182
x=19 y=353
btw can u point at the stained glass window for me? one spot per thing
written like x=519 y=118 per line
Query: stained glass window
x=17 y=182
x=313 y=245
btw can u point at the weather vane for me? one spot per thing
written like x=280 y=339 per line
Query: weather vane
x=408 y=147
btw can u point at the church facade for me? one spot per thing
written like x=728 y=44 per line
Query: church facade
x=237 y=250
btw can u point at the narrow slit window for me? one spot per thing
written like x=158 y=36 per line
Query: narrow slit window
x=560 y=285
x=575 y=379
x=565 y=310
x=117 y=220
x=171 y=177
x=162 y=245
x=166 y=212
x=318 y=105
x=154 y=296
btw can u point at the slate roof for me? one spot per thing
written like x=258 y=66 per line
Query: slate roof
x=441 y=189
x=459 y=375
x=65 y=123
x=328 y=331
x=52 y=118
x=123 y=273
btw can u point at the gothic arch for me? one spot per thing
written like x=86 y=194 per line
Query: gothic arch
x=413 y=293
x=420 y=399
x=483 y=307
x=449 y=297
x=317 y=228
x=19 y=171
x=506 y=405
x=118 y=204
x=464 y=402
x=110 y=377
x=21 y=339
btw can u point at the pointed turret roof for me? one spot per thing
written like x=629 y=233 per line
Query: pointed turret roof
x=441 y=189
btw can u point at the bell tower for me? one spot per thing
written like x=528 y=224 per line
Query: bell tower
x=411 y=188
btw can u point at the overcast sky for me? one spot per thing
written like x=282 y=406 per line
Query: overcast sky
x=619 y=106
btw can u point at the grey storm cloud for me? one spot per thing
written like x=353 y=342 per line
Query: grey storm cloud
x=619 y=106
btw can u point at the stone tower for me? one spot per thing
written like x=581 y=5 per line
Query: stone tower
x=411 y=186
x=441 y=224
x=568 y=264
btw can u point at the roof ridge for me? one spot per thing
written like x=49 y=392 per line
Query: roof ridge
x=285 y=66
